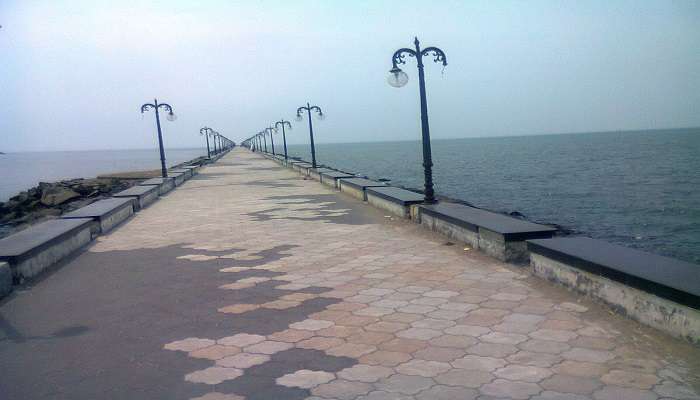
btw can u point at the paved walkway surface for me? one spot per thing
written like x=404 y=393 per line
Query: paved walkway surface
x=249 y=282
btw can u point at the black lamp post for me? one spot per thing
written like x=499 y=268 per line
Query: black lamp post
x=170 y=117
x=214 y=134
x=282 y=122
x=308 y=110
x=206 y=132
x=271 y=130
x=398 y=78
x=264 y=139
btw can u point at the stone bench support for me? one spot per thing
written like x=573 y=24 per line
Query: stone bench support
x=164 y=185
x=107 y=213
x=497 y=235
x=38 y=247
x=144 y=195
x=179 y=177
x=394 y=200
x=355 y=187
x=657 y=291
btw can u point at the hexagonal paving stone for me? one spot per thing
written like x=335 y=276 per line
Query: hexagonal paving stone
x=423 y=368
x=238 y=308
x=542 y=360
x=341 y=390
x=620 y=393
x=189 y=344
x=441 y=392
x=241 y=340
x=629 y=379
x=479 y=363
x=492 y=350
x=386 y=358
x=382 y=395
x=311 y=324
x=405 y=384
x=511 y=390
x=464 y=377
x=215 y=352
x=268 y=347
x=549 y=395
x=583 y=369
x=403 y=345
x=320 y=343
x=570 y=384
x=305 y=379
x=213 y=375
x=553 y=335
x=523 y=373
x=218 y=396
x=505 y=338
x=419 y=333
x=386 y=326
x=469 y=330
x=354 y=350
x=459 y=342
x=588 y=355
x=243 y=360
x=290 y=335
x=365 y=373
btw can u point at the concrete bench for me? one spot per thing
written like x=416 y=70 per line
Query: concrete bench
x=179 y=177
x=497 y=235
x=108 y=213
x=187 y=172
x=301 y=167
x=144 y=195
x=355 y=187
x=164 y=184
x=38 y=247
x=194 y=170
x=394 y=200
x=658 y=291
x=330 y=178
x=315 y=173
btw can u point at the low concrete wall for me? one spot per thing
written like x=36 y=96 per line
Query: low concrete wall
x=148 y=199
x=357 y=193
x=179 y=178
x=386 y=205
x=452 y=231
x=108 y=223
x=5 y=279
x=37 y=263
x=665 y=315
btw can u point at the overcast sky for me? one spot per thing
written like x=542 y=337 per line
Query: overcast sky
x=74 y=73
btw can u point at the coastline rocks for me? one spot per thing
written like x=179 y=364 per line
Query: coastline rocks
x=49 y=200
x=53 y=196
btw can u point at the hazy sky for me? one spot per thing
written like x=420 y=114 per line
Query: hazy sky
x=74 y=73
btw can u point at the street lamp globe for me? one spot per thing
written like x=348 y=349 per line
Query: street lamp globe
x=397 y=78
x=299 y=117
x=321 y=116
x=171 y=117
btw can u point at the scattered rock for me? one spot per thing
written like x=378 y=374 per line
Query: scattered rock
x=56 y=195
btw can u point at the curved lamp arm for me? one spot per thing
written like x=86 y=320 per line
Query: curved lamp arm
x=399 y=56
x=439 y=55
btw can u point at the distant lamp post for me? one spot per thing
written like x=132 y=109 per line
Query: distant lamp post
x=206 y=132
x=171 y=117
x=398 y=78
x=271 y=130
x=284 y=123
x=264 y=136
x=309 y=108
x=214 y=135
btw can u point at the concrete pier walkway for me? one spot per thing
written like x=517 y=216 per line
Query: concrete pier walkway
x=249 y=282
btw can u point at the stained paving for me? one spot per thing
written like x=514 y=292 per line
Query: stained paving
x=250 y=282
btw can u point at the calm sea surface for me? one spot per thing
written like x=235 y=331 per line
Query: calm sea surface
x=21 y=171
x=639 y=189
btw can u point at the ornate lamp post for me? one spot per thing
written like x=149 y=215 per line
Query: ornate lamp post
x=206 y=132
x=398 y=78
x=171 y=117
x=282 y=123
x=271 y=130
x=308 y=110
x=214 y=135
